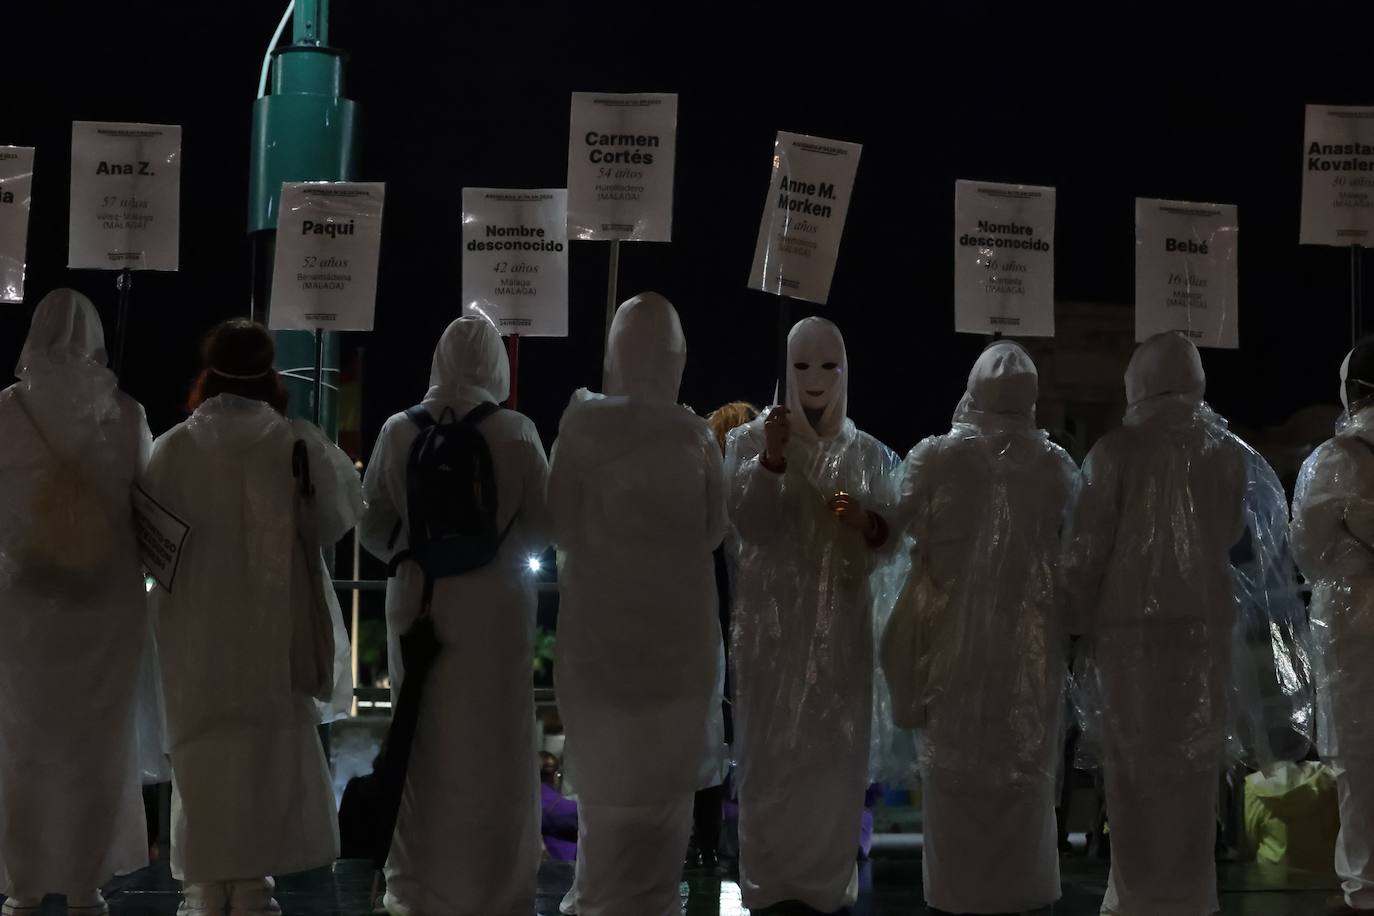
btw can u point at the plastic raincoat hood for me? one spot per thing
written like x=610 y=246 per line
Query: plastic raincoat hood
x=646 y=352
x=62 y=372
x=1166 y=364
x=1003 y=386
x=470 y=364
x=66 y=329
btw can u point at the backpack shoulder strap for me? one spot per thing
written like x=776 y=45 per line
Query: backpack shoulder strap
x=420 y=416
x=479 y=413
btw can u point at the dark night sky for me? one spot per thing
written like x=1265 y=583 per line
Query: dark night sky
x=1174 y=103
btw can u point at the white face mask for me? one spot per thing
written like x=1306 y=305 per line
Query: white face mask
x=818 y=378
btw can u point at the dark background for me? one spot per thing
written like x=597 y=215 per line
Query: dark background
x=1179 y=102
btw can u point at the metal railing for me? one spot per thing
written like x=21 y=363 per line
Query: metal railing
x=380 y=697
x=379 y=585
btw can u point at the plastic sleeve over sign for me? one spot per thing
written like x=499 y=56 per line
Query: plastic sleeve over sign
x=1333 y=539
x=976 y=651
x=1178 y=573
x=16 y=180
x=810 y=597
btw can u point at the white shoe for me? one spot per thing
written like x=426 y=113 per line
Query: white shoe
x=253 y=898
x=393 y=905
x=91 y=903
x=204 y=899
x=568 y=906
x=17 y=906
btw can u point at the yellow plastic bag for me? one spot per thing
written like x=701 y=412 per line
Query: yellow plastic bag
x=1292 y=816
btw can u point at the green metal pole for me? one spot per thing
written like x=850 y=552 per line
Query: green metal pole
x=303 y=130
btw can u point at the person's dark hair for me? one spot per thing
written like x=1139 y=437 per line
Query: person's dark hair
x=237 y=357
x=548 y=769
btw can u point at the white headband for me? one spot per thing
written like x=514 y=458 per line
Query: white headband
x=241 y=378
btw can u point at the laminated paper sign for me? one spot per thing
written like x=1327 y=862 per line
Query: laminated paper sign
x=329 y=238
x=1003 y=259
x=126 y=196
x=1185 y=271
x=515 y=259
x=620 y=166
x=161 y=537
x=803 y=216
x=1338 y=176
x=16 y=178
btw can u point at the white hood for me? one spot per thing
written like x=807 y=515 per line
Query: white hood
x=823 y=384
x=1166 y=364
x=62 y=373
x=470 y=364
x=646 y=352
x=66 y=329
x=1003 y=385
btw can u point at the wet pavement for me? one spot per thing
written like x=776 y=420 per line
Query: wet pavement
x=892 y=888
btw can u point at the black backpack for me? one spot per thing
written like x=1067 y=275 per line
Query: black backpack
x=450 y=496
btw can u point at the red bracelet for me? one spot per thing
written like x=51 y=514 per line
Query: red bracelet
x=775 y=468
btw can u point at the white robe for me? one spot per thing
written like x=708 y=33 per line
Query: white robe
x=803 y=639
x=252 y=795
x=467 y=841
x=638 y=507
x=69 y=774
x=71 y=814
x=1333 y=528
x=1163 y=501
x=984 y=504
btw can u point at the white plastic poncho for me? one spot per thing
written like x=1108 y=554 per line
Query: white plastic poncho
x=636 y=493
x=803 y=634
x=1333 y=538
x=251 y=788
x=1178 y=573
x=472 y=791
x=72 y=617
x=976 y=649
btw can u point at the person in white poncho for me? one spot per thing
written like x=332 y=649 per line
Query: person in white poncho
x=72 y=616
x=985 y=655
x=638 y=507
x=252 y=795
x=1333 y=538
x=1178 y=575
x=808 y=495
x=467 y=841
